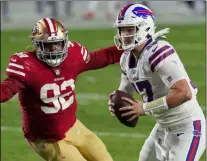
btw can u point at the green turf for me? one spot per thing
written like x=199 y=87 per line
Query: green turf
x=189 y=42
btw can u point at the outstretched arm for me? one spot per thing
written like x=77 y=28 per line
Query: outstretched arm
x=102 y=58
x=9 y=87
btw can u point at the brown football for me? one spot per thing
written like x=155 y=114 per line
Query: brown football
x=119 y=103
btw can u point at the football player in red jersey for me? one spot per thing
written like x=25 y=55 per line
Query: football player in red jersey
x=45 y=81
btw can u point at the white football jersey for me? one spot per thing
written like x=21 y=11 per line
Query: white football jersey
x=152 y=75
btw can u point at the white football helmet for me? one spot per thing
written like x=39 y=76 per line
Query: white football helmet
x=138 y=16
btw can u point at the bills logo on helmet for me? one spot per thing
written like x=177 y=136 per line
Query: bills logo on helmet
x=142 y=12
x=35 y=30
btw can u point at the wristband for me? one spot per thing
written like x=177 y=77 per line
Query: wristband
x=157 y=106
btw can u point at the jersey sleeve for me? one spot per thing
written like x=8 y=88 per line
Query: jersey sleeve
x=103 y=57
x=96 y=59
x=122 y=63
x=166 y=63
x=125 y=84
x=9 y=87
x=16 y=67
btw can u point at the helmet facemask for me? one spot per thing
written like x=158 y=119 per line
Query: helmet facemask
x=52 y=58
x=126 y=41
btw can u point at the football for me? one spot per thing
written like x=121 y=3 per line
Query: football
x=119 y=103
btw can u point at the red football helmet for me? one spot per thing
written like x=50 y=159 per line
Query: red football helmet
x=50 y=40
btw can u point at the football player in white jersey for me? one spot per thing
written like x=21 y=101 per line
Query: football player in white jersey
x=151 y=67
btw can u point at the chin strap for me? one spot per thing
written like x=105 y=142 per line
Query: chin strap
x=161 y=33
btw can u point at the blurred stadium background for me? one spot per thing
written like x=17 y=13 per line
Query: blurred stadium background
x=187 y=23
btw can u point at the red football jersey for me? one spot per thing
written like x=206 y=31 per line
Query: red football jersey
x=48 y=101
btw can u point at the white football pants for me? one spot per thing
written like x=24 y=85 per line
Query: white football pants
x=180 y=143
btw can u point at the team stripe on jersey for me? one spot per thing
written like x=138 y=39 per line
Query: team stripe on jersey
x=16 y=72
x=195 y=142
x=193 y=85
x=157 y=53
x=160 y=58
x=51 y=26
x=16 y=65
x=15 y=68
x=84 y=52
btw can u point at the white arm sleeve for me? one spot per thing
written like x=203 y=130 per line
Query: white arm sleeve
x=126 y=86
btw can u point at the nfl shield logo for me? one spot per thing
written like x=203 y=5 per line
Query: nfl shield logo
x=57 y=72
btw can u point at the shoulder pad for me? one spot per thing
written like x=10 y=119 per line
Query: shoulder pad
x=73 y=44
x=159 y=52
x=79 y=50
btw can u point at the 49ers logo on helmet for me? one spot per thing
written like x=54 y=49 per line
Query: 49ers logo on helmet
x=35 y=30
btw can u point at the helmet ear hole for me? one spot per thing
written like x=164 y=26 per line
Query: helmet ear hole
x=148 y=36
x=137 y=29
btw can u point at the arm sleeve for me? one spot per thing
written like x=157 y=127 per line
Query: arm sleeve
x=165 y=61
x=167 y=64
x=102 y=58
x=126 y=86
x=16 y=67
x=9 y=87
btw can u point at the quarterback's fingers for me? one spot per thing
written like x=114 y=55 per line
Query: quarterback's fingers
x=111 y=109
x=111 y=103
x=112 y=114
x=128 y=113
x=111 y=94
x=128 y=100
x=126 y=108
x=132 y=118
